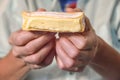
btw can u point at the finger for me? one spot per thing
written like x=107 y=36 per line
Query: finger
x=69 y=10
x=72 y=68
x=88 y=26
x=38 y=57
x=21 y=37
x=81 y=42
x=78 y=10
x=41 y=10
x=68 y=47
x=33 y=46
x=66 y=60
x=73 y=10
x=78 y=67
x=59 y=62
x=86 y=55
x=48 y=60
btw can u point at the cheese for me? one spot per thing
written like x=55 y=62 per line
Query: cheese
x=54 y=21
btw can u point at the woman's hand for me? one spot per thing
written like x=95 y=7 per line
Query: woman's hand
x=35 y=48
x=76 y=50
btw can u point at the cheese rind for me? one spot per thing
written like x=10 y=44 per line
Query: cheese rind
x=54 y=21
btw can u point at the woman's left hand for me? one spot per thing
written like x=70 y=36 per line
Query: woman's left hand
x=75 y=50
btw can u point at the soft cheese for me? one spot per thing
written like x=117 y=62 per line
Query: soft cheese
x=54 y=21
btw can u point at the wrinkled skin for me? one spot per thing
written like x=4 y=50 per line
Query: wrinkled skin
x=37 y=49
x=73 y=51
x=76 y=50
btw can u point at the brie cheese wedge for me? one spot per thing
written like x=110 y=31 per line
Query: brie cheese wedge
x=54 y=21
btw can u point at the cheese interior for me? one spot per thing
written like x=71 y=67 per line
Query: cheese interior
x=54 y=21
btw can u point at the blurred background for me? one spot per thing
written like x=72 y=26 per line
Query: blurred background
x=104 y=16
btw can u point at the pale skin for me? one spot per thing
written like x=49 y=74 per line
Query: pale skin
x=33 y=50
x=91 y=50
x=75 y=51
x=30 y=50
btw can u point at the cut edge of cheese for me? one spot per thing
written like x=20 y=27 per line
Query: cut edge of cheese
x=54 y=21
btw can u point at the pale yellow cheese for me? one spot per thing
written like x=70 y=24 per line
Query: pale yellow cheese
x=54 y=21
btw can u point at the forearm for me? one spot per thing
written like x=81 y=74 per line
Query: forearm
x=12 y=68
x=107 y=61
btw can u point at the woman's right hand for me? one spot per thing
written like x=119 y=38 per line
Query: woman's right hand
x=35 y=48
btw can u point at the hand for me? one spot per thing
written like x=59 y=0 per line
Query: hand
x=35 y=48
x=76 y=50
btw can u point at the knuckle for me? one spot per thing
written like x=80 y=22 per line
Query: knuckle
x=67 y=66
x=17 y=37
x=74 y=53
x=29 y=49
x=11 y=38
x=18 y=40
x=62 y=67
x=70 y=65
x=83 y=43
x=35 y=60
x=15 y=52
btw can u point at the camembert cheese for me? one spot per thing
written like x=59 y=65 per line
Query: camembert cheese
x=54 y=21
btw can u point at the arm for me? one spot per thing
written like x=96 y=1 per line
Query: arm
x=106 y=61
x=87 y=48
x=12 y=68
x=30 y=50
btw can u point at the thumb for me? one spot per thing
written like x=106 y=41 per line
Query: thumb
x=72 y=10
x=88 y=26
x=41 y=10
